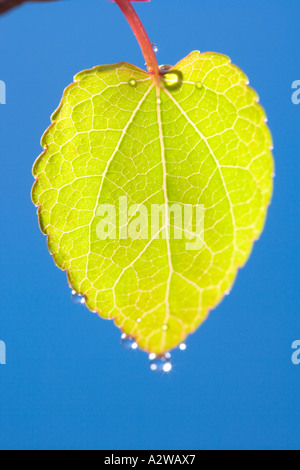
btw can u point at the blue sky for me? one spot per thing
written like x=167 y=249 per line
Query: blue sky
x=68 y=384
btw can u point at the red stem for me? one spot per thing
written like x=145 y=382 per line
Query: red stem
x=142 y=37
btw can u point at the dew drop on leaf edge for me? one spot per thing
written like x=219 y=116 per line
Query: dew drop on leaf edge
x=160 y=364
x=165 y=68
x=77 y=299
x=128 y=342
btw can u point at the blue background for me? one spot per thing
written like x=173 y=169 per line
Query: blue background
x=68 y=384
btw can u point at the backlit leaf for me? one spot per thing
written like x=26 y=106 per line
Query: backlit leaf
x=199 y=139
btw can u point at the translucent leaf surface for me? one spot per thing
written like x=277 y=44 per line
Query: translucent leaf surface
x=199 y=139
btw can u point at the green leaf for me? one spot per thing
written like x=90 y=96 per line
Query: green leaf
x=199 y=139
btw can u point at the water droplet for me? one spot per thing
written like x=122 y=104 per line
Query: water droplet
x=160 y=363
x=165 y=327
x=171 y=79
x=199 y=85
x=154 y=47
x=139 y=320
x=128 y=342
x=158 y=101
x=165 y=68
x=132 y=83
x=227 y=292
x=182 y=347
x=77 y=298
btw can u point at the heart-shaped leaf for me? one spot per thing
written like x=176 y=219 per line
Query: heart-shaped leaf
x=119 y=142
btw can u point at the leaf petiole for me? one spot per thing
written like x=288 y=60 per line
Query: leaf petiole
x=141 y=36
